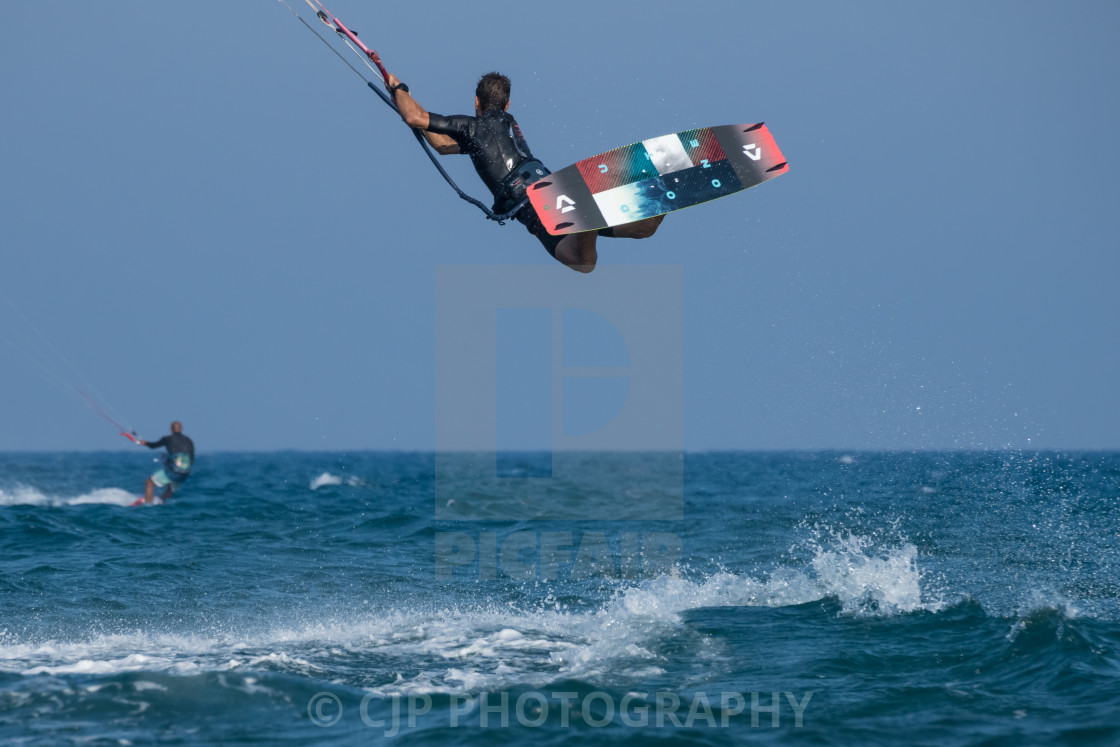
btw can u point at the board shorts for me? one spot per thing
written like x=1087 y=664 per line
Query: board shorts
x=532 y=221
x=528 y=216
x=512 y=191
x=165 y=478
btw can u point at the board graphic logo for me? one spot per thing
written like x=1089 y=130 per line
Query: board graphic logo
x=565 y=204
x=753 y=155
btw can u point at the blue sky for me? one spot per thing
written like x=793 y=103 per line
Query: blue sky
x=211 y=219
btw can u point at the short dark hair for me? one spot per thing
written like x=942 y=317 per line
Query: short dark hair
x=492 y=91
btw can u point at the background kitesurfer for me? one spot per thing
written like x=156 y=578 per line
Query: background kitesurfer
x=176 y=467
x=503 y=160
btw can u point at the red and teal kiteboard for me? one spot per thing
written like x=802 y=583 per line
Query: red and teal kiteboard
x=656 y=176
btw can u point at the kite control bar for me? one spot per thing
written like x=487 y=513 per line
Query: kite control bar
x=331 y=20
x=97 y=409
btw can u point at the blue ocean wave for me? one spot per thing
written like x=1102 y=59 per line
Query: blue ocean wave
x=918 y=598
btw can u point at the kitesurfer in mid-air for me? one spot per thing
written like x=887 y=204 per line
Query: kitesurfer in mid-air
x=176 y=467
x=502 y=158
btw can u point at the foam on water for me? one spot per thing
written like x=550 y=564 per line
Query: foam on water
x=869 y=582
x=326 y=479
x=23 y=495
x=471 y=648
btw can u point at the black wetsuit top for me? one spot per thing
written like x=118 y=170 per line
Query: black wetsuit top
x=179 y=446
x=493 y=141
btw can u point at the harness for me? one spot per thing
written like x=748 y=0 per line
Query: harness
x=179 y=463
x=511 y=192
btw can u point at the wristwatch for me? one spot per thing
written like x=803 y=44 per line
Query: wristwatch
x=399 y=87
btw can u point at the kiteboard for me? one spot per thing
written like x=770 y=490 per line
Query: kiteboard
x=656 y=176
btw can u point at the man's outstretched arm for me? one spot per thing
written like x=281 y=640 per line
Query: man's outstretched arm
x=416 y=116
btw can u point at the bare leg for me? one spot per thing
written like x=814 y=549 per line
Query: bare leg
x=642 y=229
x=167 y=493
x=578 y=251
x=149 y=490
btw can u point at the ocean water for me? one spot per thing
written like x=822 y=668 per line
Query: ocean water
x=723 y=598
